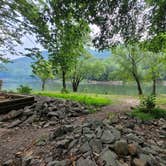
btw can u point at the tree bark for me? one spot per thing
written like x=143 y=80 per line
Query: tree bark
x=64 y=80
x=75 y=85
x=154 y=87
x=43 y=84
x=139 y=88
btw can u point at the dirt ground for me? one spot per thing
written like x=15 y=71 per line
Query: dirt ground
x=20 y=141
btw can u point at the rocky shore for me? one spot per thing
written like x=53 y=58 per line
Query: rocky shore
x=121 y=141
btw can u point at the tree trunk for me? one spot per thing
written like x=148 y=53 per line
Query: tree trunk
x=154 y=87
x=64 y=80
x=43 y=84
x=139 y=88
x=75 y=85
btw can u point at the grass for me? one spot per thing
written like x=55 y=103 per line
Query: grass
x=153 y=114
x=88 y=99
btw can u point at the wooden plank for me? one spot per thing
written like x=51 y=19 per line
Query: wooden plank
x=18 y=102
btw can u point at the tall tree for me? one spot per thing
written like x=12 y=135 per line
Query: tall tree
x=59 y=33
x=10 y=30
x=129 y=58
x=154 y=68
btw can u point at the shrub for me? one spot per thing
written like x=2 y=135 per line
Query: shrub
x=64 y=90
x=23 y=89
x=147 y=103
x=147 y=109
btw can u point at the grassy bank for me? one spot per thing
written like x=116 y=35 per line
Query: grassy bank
x=88 y=99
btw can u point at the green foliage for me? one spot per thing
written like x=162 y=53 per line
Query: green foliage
x=64 y=91
x=156 y=113
x=43 y=69
x=147 y=109
x=141 y=115
x=82 y=98
x=147 y=103
x=24 y=89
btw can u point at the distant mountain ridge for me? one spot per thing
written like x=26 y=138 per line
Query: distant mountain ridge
x=21 y=67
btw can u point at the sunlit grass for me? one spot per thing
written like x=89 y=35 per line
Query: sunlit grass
x=88 y=99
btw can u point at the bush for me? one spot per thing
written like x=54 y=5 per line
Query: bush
x=64 y=90
x=147 y=103
x=147 y=109
x=23 y=89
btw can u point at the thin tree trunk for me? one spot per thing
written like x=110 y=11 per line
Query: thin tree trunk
x=139 y=88
x=43 y=84
x=154 y=87
x=64 y=80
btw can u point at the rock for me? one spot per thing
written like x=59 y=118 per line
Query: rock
x=116 y=133
x=132 y=149
x=50 y=114
x=107 y=137
x=133 y=138
x=28 y=112
x=57 y=133
x=108 y=157
x=85 y=162
x=148 y=159
x=35 y=162
x=8 y=163
x=121 y=147
x=63 y=144
x=96 y=145
x=68 y=128
x=15 y=123
x=59 y=163
x=26 y=161
x=98 y=132
x=85 y=147
x=139 y=162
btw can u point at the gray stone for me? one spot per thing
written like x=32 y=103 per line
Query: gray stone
x=98 y=132
x=85 y=147
x=26 y=161
x=121 y=147
x=15 y=123
x=68 y=128
x=8 y=163
x=59 y=163
x=107 y=137
x=109 y=158
x=50 y=114
x=63 y=143
x=132 y=137
x=28 y=112
x=96 y=145
x=85 y=162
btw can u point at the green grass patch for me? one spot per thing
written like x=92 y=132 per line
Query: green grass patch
x=88 y=99
x=153 y=114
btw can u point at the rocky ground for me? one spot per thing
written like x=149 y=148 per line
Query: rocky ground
x=57 y=132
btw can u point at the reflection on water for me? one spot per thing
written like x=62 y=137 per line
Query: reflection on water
x=35 y=84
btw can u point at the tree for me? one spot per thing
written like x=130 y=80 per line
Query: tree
x=129 y=59
x=11 y=30
x=58 y=32
x=79 y=71
x=43 y=69
x=73 y=46
x=155 y=68
x=118 y=21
